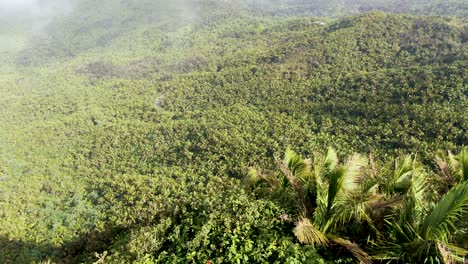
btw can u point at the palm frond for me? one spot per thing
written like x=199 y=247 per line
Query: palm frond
x=445 y=164
x=373 y=166
x=440 y=221
x=419 y=189
x=462 y=159
x=331 y=159
x=284 y=166
x=445 y=253
x=357 y=252
x=450 y=253
x=293 y=166
x=452 y=160
x=298 y=166
x=453 y=167
x=255 y=176
x=318 y=172
x=457 y=253
x=344 y=178
x=320 y=212
x=346 y=212
x=378 y=207
x=403 y=230
x=298 y=173
x=352 y=172
x=334 y=186
x=377 y=202
x=402 y=173
x=252 y=177
x=389 y=252
x=344 y=200
x=308 y=233
x=415 y=251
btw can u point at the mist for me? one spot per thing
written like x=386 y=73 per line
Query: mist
x=15 y=5
x=32 y=15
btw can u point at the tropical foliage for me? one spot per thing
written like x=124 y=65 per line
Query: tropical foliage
x=363 y=209
x=127 y=129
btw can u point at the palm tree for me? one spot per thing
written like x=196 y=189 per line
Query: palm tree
x=421 y=237
x=394 y=204
x=453 y=168
x=425 y=232
x=402 y=181
x=328 y=195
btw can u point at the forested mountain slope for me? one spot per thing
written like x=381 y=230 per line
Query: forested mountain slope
x=126 y=129
x=90 y=25
x=347 y=7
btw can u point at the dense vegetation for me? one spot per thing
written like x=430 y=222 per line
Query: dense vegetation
x=346 y=7
x=154 y=131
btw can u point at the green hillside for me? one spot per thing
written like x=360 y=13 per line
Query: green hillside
x=155 y=131
x=346 y=7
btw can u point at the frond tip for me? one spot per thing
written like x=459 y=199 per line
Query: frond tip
x=307 y=233
x=352 y=172
x=451 y=207
x=296 y=165
x=255 y=176
x=357 y=252
x=462 y=159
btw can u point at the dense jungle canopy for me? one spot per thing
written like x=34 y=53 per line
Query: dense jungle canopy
x=141 y=131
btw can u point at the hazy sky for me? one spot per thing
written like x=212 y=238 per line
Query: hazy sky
x=16 y=5
x=33 y=7
x=33 y=14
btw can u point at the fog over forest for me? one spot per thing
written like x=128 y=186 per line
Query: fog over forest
x=33 y=15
